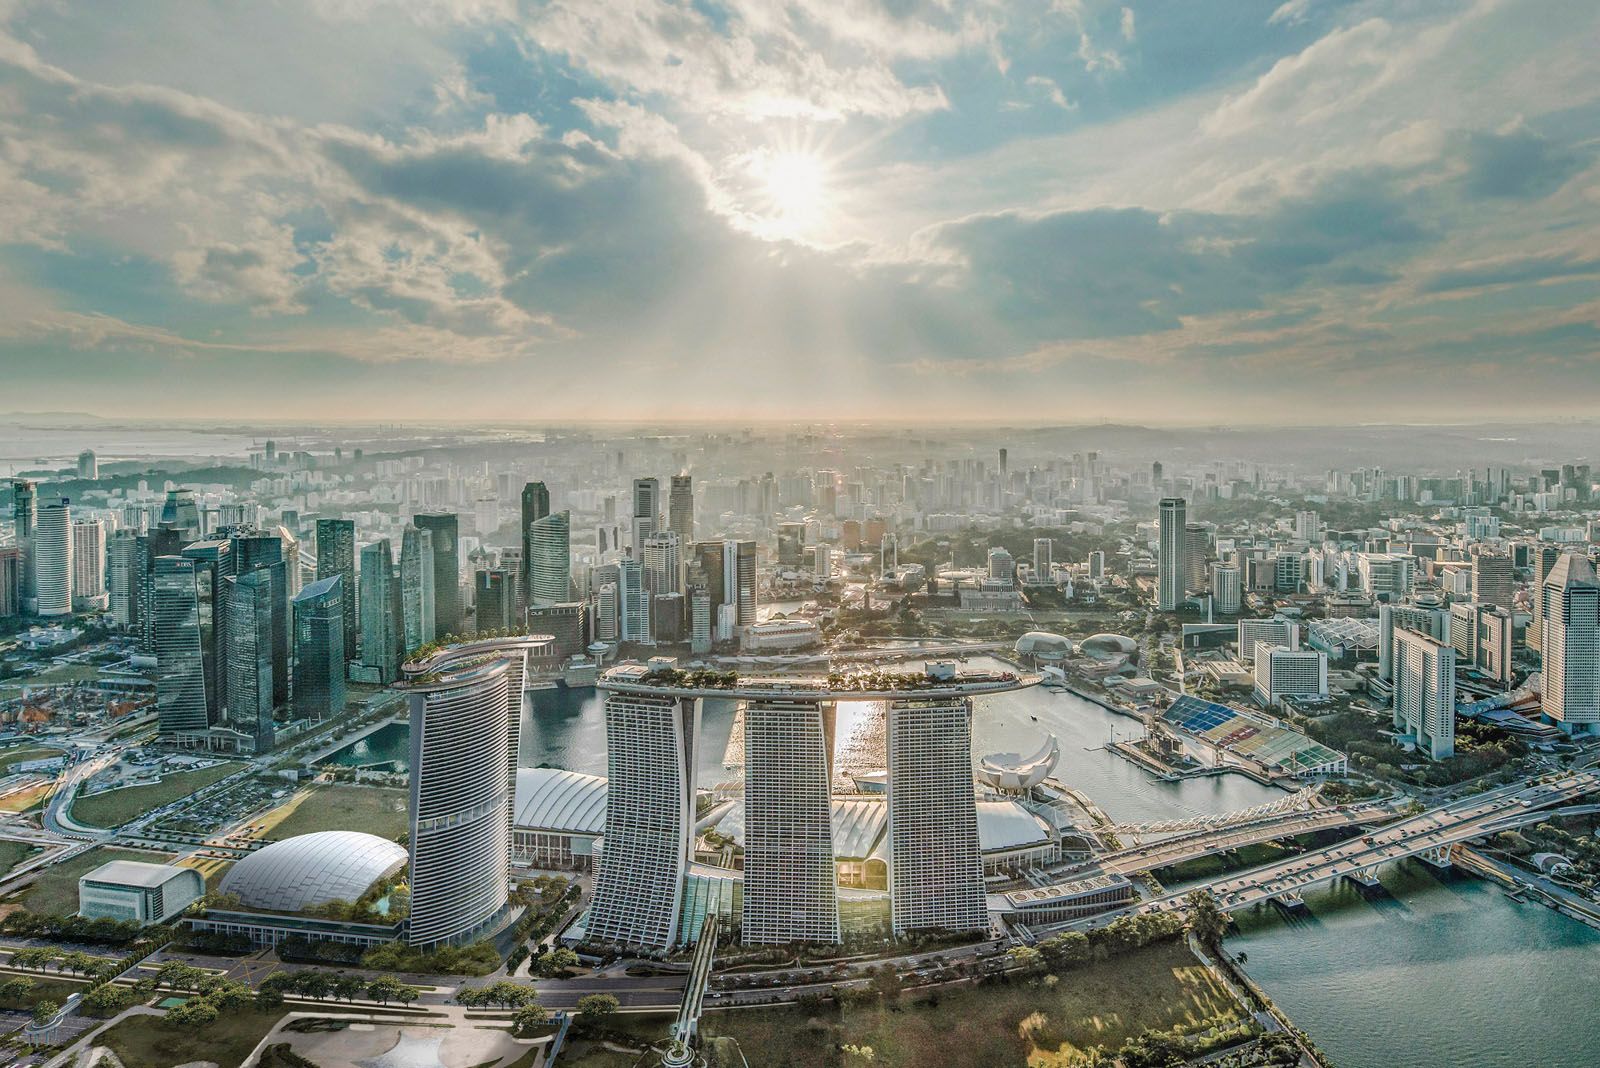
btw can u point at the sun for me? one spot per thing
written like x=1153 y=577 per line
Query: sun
x=796 y=189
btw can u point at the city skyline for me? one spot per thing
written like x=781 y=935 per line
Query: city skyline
x=1119 y=211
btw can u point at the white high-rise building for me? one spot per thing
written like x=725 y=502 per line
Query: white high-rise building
x=1569 y=610
x=790 y=882
x=52 y=557
x=1042 y=557
x=465 y=727
x=935 y=865
x=1386 y=576
x=1308 y=527
x=649 y=831
x=1171 y=552
x=1227 y=590
x=822 y=562
x=1255 y=632
x=89 y=566
x=1425 y=691
x=1284 y=672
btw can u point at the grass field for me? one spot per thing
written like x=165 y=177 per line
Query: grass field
x=31 y=798
x=1028 y=1024
x=213 y=868
x=116 y=807
x=145 y=1042
x=14 y=853
x=44 y=988
x=19 y=753
x=55 y=892
x=374 y=809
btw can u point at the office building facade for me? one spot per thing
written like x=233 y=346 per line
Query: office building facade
x=319 y=652
x=442 y=528
x=549 y=564
x=1569 y=610
x=416 y=588
x=336 y=555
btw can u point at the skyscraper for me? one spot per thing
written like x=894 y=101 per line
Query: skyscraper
x=52 y=558
x=24 y=497
x=790 y=881
x=416 y=588
x=1041 y=557
x=89 y=566
x=182 y=704
x=252 y=655
x=213 y=564
x=646 y=510
x=149 y=547
x=633 y=602
x=1493 y=581
x=465 y=726
x=739 y=565
x=935 y=866
x=1171 y=562
x=1569 y=609
x=255 y=550
x=121 y=556
x=180 y=512
x=650 y=753
x=1425 y=691
x=663 y=563
x=1226 y=590
x=336 y=555
x=550 y=566
x=88 y=465
x=494 y=592
x=319 y=653
x=381 y=633
x=535 y=506
x=680 y=509
x=442 y=527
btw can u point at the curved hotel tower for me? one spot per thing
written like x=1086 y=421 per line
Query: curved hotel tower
x=650 y=755
x=790 y=882
x=466 y=719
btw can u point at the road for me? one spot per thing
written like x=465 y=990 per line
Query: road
x=1434 y=831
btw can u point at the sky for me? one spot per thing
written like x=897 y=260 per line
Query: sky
x=1057 y=211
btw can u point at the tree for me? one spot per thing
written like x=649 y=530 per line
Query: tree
x=1026 y=958
x=194 y=1014
x=1208 y=922
x=348 y=987
x=595 y=1009
x=44 y=1010
x=528 y=1018
x=14 y=990
x=886 y=981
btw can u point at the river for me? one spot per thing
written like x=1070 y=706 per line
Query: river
x=1438 y=972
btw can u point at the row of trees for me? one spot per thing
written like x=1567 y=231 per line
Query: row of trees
x=321 y=986
x=101 y=931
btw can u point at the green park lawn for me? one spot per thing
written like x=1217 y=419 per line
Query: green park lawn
x=55 y=891
x=44 y=989
x=14 y=853
x=378 y=810
x=1027 y=1024
x=146 y=1042
x=116 y=807
x=17 y=754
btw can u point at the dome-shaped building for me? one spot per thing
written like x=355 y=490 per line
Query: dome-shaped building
x=1044 y=645
x=313 y=869
x=1109 y=646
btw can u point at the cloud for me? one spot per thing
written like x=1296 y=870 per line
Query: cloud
x=1050 y=90
x=1512 y=271
x=1290 y=13
x=1517 y=163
